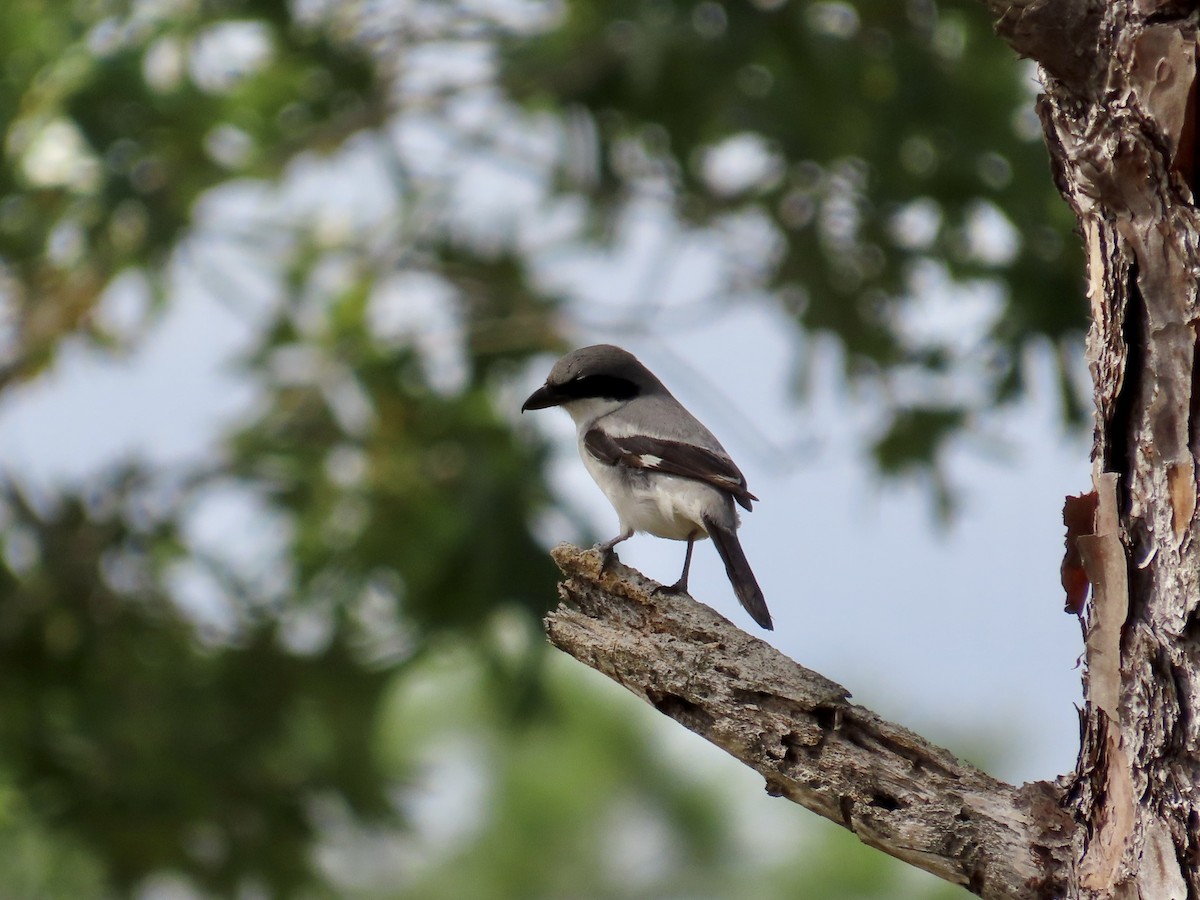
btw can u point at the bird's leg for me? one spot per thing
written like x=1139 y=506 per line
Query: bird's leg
x=680 y=587
x=606 y=549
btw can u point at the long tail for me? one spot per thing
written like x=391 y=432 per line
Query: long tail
x=745 y=586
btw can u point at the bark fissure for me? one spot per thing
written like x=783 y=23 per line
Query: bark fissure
x=1194 y=405
x=1118 y=456
x=1125 y=163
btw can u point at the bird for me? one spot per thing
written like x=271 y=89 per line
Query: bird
x=664 y=473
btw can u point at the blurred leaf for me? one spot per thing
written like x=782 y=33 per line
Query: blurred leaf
x=120 y=116
x=158 y=752
x=884 y=135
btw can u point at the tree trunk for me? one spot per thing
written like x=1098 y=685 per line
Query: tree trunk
x=1119 y=119
x=1118 y=114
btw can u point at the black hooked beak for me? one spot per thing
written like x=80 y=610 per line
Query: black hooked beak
x=544 y=397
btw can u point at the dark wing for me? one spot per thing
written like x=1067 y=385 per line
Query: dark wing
x=639 y=451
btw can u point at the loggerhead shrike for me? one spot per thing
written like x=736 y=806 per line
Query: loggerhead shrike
x=663 y=472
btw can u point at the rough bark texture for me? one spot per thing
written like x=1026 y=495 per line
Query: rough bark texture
x=1063 y=35
x=1119 y=119
x=893 y=789
x=1122 y=148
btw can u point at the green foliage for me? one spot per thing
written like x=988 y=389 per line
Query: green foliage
x=155 y=751
x=36 y=861
x=115 y=127
x=435 y=488
x=891 y=131
x=582 y=800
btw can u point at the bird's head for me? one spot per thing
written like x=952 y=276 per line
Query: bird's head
x=593 y=381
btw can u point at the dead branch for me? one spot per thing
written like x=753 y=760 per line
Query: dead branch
x=892 y=788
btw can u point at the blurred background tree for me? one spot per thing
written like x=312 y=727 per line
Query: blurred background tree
x=237 y=673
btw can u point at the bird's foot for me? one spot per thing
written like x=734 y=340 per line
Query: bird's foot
x=607 y=556
x=679 y=587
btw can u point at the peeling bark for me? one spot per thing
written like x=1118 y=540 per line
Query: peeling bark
x=1124 y=160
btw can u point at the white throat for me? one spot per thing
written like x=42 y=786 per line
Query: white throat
x=586 y=410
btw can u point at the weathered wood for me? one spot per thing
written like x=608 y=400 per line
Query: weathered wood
x=1124 y=157
x=892 y=788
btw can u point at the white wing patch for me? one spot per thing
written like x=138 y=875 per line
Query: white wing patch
x=672 y=457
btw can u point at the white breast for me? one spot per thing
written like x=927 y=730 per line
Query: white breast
x=666 y=506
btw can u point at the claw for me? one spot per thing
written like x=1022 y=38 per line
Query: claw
x=607 y=555
x=679 y=587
